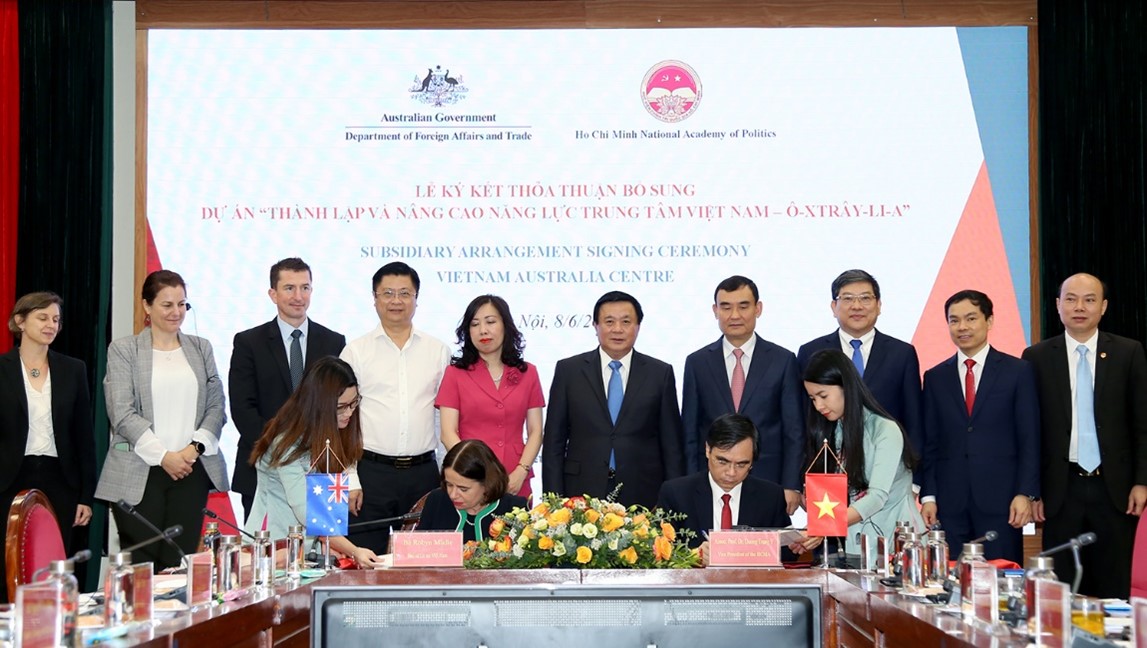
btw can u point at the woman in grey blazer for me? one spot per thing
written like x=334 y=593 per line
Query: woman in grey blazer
x=165 y=402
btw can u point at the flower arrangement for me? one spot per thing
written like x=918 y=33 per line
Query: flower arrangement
x=583 y=532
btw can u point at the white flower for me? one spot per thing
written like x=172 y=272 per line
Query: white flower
x=559 y=549
x=589 y=530
x=576 y=528
x=612 y=544
x=595 y=544
x=541 y=525
x=518 y=551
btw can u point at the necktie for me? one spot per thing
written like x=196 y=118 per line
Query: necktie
x=857 y=356
x=613 y=399
x=969 y=385
x=738 y=380
x=726 y=512
x=1088 y=441
x=296 y=358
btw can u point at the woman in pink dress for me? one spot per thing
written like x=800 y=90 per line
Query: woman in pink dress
x=489 y=392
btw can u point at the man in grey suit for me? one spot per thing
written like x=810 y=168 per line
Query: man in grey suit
x=268 y=361
x=612 y=415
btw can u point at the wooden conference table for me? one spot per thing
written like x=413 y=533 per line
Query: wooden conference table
x=857 y=609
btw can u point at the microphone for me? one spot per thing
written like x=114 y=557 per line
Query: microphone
x=80 y=556
x=215 y=516
x=1074 y=543
x=406 y=517
x=166 y=535
x=160 y=535
x=987 y=537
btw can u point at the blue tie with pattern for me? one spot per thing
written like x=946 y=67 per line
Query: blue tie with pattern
x=857 y=356
x=1088 y=441
x=613 y=398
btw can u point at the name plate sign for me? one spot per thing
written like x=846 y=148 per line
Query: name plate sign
x=144 y=592
x=427 y=548
x=744 y=549
x=200 y=577
x=1051 y=613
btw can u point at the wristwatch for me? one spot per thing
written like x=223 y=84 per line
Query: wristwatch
x=199 y=447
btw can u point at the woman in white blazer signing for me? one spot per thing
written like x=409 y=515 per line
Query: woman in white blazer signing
x=165 y=402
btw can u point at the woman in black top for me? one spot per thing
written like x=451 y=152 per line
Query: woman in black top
x=473 y=493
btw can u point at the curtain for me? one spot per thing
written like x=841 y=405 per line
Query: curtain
x=9 y=158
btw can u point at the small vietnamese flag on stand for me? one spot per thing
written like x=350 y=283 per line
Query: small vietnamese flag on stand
x=826 y=497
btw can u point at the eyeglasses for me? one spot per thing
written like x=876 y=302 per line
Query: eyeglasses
x=404 y=295
x=343 y=408
x=864 y=299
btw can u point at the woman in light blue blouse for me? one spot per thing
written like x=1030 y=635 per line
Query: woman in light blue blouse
x=872 y=447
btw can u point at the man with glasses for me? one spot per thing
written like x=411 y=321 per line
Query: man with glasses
x=399 y=369
x=267 y=363
x=725 y=495
x=890 y=367
x=745 y=374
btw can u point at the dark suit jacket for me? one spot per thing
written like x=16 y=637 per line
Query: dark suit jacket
x=71 y=421
x=762 y=504
x=259 y=382
x=772 y=400
x=578 y=435
x=892 y=375
x=990 y=456
x=439 y=514
x=1120 y=415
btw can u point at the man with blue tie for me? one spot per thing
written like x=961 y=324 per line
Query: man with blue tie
x=1093 y=405
x=741 y=373
x=890 y=367
x=612 y=418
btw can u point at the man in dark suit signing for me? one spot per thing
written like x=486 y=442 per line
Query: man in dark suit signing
x=1093 y=405
x=725 y=495
x=745 y=374
x=267 y=363
x=890 y=367
x=612 y=415
x=981 y=435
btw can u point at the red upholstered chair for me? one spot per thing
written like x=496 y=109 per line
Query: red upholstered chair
x=409 y=525
x=220 y=504
x=1139 y=560
x=33 y=538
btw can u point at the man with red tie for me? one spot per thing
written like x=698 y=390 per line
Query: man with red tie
x=725 y=495
x=981 y=435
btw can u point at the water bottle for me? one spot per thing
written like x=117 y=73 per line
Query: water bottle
x=60 y=575
x=937 y=559
x=973 y=553
x=1037 y=568
x=296 y=539
x=263 y=559
x=119 y=591
x=912 y=560
x=226 y=565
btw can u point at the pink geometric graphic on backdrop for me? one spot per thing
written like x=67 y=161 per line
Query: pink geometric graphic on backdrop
x=975 y=260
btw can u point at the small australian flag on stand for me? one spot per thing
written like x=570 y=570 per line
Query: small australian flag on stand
x=328 y=504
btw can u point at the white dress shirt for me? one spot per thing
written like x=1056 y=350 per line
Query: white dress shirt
x=731 y=360
x=719 y=504
x=977 y=369
x=174 y=398
x=865 y=344
x=606 y=372
x=398 y=387
x=1072 y=362
x=41 y=434
x=285 y=331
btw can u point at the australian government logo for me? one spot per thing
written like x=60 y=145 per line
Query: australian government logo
x=671 y=91
x=438 y=88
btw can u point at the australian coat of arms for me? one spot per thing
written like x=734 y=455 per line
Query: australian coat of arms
x=438 y=87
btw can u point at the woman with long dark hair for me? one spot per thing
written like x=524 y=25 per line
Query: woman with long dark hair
x=872 y=447
x=323 y=408
x=489 y=391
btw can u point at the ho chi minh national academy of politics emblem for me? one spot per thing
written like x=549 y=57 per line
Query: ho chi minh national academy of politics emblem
x=671 y=91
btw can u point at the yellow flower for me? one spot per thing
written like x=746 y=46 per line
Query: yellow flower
x=505 y=544
x=530 y=532
x=541 y=510
x=612 y=522
x=662 y=548
x=641 y=531
x=560 y=516
x=545 y=543
x=496 y=527
x=668 y=532
x=629 y=555
x=584 y=555
x=592 y=515
x=639 y=520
